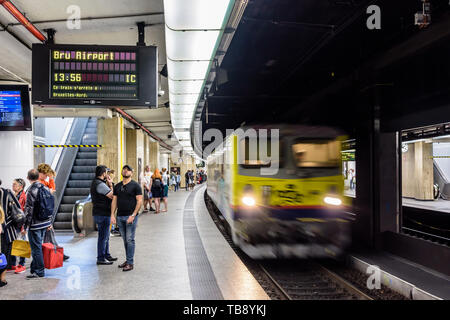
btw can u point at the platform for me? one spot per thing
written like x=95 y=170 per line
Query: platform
x=401 y=275
x=179 y=255
x=440 y=205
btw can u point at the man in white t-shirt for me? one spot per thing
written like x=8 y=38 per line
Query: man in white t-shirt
x=146 y=179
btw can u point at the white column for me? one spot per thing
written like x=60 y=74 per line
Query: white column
x=16 y=156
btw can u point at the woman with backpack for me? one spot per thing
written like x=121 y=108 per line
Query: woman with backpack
x=157 y=188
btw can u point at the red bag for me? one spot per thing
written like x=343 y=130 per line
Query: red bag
x=53 y=256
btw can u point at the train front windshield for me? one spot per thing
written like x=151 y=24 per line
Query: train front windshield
x=316 y=153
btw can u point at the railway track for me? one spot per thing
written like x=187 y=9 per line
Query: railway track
x=306 y=280
x=291 y=280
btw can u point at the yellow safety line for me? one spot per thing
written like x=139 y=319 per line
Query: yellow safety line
x=310 y=220
x=68 y=146
x=425 y=225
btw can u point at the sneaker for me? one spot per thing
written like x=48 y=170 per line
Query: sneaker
x=13 y=268
x=3 y=283
x=151 y=209
x=128 y=267
x=33 y=276
x=111 y=258
x=20 y=269
x=123 y=265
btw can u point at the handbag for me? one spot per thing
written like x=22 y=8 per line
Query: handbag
x=17 y=215
x=53 y=254
x=21 y=248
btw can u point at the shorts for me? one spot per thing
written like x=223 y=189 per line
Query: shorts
x=146 y=195
x=165 y=191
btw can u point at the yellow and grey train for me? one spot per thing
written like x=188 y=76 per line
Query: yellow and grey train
x=299 y=210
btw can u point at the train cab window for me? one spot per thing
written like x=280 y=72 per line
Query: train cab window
x=250 y=149
x=316 y=153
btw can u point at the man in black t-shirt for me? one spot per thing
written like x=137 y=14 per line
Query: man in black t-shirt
x=127 y=199
x=102 y=194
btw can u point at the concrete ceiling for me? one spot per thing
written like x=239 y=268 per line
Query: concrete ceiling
x=117 y=26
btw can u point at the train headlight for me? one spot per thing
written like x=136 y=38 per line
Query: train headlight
x=248 y=201
x=332 y=201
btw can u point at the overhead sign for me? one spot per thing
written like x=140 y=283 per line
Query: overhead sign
x=94 y=75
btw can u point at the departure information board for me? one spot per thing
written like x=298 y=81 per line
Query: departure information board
x=79 y=74
x=95 y=75
x=11 y=113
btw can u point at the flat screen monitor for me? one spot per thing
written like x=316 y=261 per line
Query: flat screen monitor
x=94 y=75
x=15 y=112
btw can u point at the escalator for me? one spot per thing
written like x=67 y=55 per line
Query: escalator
x=77 y=177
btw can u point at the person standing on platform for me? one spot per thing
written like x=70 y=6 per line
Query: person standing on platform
x=102 y=194
x=157 y=189
x=47 y=176
x=10 y=232
x=165 y=180
x=127 y=199
x=178 y=180
x=36 y=227
x=146 y=177
x=2 y=268
x=186 y=178
x=18 y=187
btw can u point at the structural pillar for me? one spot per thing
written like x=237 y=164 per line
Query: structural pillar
x=111 y=135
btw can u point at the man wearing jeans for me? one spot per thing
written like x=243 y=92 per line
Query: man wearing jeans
x=102 y=194
x=36 y=227
x=127 y=199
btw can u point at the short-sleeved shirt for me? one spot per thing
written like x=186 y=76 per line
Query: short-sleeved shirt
x=126 y=197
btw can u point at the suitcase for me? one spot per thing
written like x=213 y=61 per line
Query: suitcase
x=53 y=256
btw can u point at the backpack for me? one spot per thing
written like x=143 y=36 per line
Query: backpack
x=46 y=204
x=157 y=183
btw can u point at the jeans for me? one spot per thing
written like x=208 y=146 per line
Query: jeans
x=103 y=224
x=128 y=232
x=37 y=264
x=14 y=261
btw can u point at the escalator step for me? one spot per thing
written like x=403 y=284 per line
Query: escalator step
x=65 y=208
x=89 y=136
x=87 y=155
x=71 y=199
x=85 y=162
x=91 y=130
x=83 y=169
x=63 y=216
x=79 y=184
x=82 y=176
x=63 y=225
x=88 y=149
x=76 y=192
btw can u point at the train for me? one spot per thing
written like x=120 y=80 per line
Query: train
x=286 y=200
